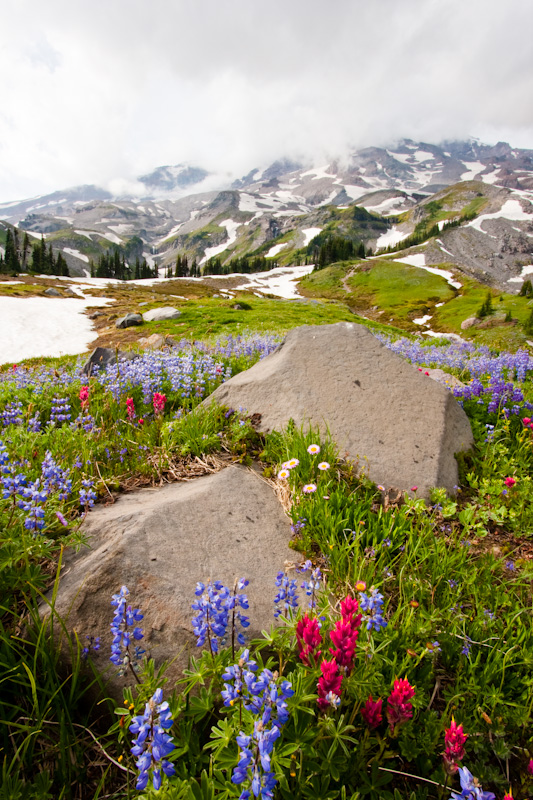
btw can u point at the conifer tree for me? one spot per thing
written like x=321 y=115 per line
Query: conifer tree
x=11 y=260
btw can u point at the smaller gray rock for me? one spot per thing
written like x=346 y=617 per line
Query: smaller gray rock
x=153 y=342
x=102 y=356
x=160 y=314
x=469 y=323
x=129 y=320
x=51 y=292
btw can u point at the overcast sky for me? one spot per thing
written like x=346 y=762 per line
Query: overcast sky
x=102 y=91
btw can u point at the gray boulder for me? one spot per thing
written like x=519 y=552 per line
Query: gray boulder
x=160 y=314
x=469 y=323
x=402 y=428
x=159 y=543
x=102 y=356
x=51 y=292
x=129 y=320
x=153 y=342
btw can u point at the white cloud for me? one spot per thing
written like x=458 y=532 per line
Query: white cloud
x=111 y=89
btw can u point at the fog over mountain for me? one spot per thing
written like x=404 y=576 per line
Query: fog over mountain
x=102 y=93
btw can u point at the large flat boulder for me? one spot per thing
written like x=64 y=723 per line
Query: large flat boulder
x=159 y=314
x=402 y=428
x=160 y=543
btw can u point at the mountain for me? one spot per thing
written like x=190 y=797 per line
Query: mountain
x=470 y=202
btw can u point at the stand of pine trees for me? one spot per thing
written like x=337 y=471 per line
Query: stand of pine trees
x=17 y=257
x=327 y=248
x=244 y=264
x=113 y=265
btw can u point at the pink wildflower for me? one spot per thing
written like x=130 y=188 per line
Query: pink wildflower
x=414 y=488
x=308 y=638
x=371 y=712
x=530 y=767
x=345 y=633
x=159 y=401
x=510 y=482
x=84 y=396
x=454 y=751
x=130 y=408
x=509 y=795
x=399 y=709
x=309 y=488
x=526 y=420
x=329 y=685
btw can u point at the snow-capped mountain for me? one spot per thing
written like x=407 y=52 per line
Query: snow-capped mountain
x=276 y=211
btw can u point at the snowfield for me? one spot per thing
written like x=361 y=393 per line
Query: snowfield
x=42 y=326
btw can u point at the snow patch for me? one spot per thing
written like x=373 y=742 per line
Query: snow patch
x=473 y=168
x=414 y=260
x=511 y=209
x=354 y=192
x=318 y=172
x=231 y=229
x=275 y=250
x=390 y=238
x=279 y=282
x=76 y=254
x=310 y=233
x=422 y=155
x=38 y=326
x=389 y=206
x=527 y=270
x=423 y=320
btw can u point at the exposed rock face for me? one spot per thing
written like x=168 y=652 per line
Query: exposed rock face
x=160 y=542
x=403 y=428
x=159 y=314
x=129 y=320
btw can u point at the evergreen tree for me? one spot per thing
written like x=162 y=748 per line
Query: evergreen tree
x=486 y=308
x=11 y=260
x=527 y=289
x=61 y=267
x=25 y=249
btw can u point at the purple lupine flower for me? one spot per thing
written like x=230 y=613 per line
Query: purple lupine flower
x=372 y=606
x=93 y=643
x=470 y=788
x=123 y=635
x=12 y=414
x=312 y=586
x=87 y=494
x=263 y=697
x=152 y=744
x=60 y=411
x=214 y=605
x=287 y=598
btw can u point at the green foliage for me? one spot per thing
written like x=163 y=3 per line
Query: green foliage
x=453 y=571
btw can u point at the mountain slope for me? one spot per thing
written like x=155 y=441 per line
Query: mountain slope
x=410 y=190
